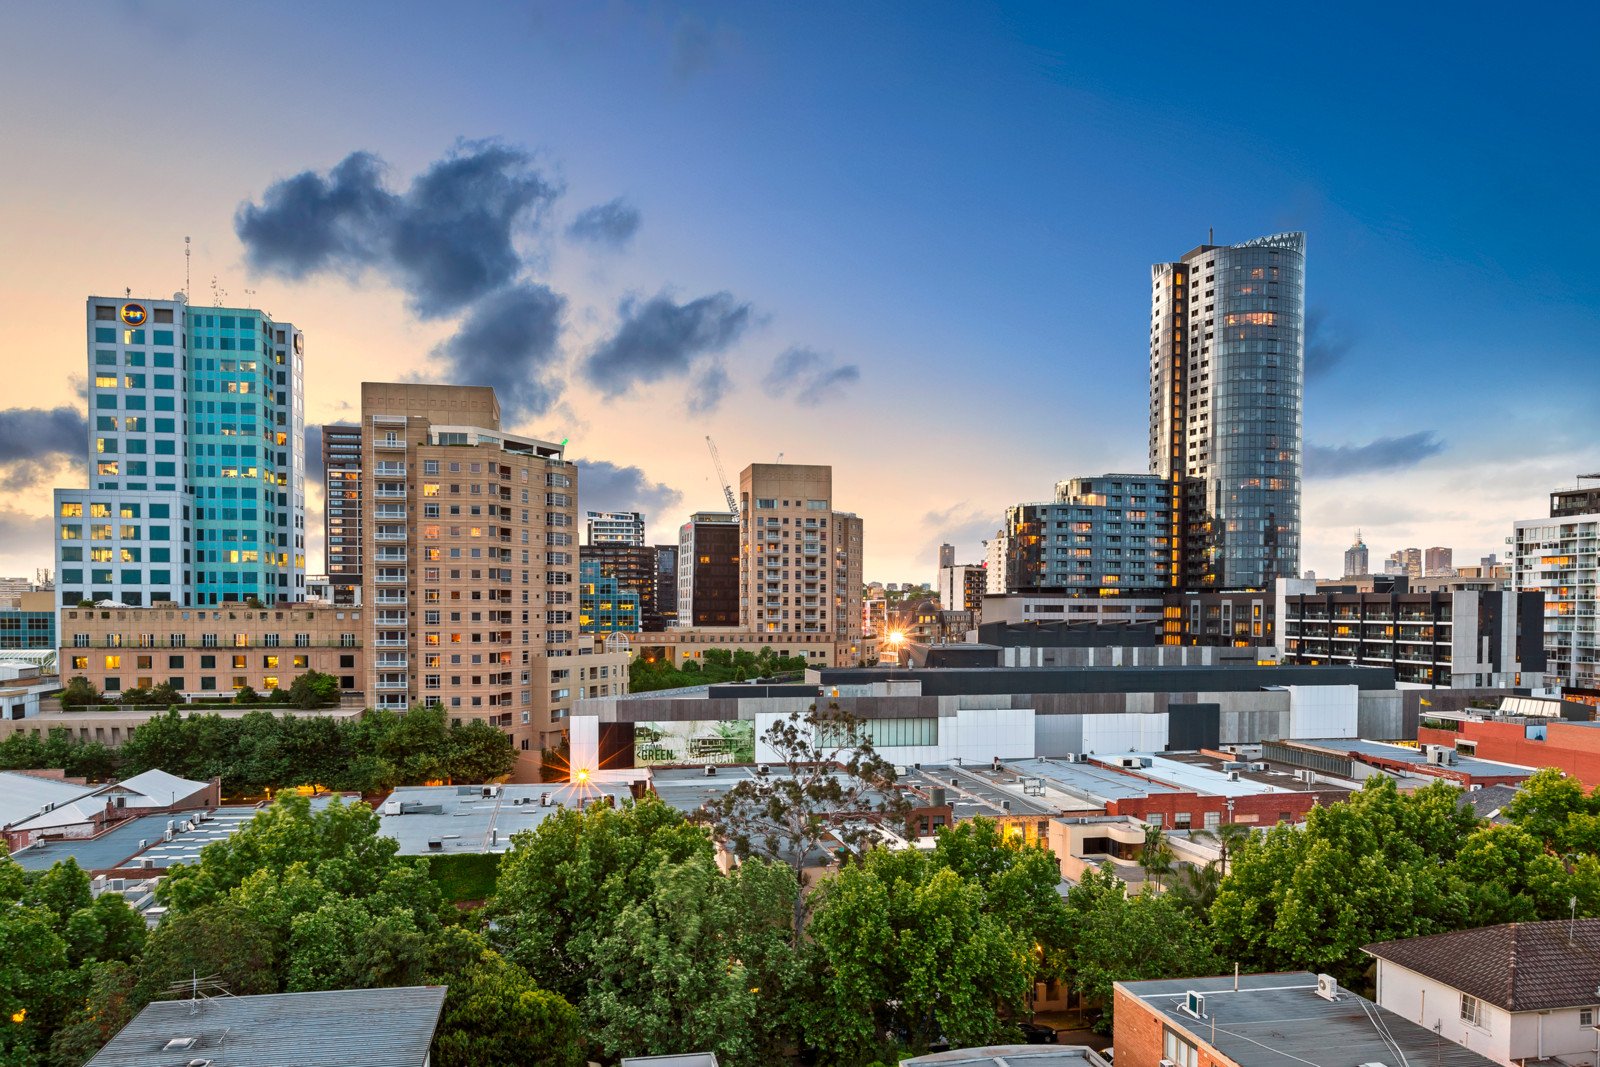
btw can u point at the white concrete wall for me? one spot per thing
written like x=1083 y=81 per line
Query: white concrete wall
x=1322 y=710
x=1104 y=734
x=1430 y=1004
x=974 y=735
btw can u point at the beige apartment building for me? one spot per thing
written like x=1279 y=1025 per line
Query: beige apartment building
x=799 y=575
x=211 y=652
x=470 y=559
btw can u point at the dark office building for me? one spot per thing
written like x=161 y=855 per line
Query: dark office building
x=341 y=512
x=1579 y=500
x=634 y=569
x=708 y=570
x=666 y=606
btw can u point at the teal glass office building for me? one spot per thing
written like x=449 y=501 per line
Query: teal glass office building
x=194 y=461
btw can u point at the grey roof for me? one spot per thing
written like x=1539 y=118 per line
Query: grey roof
x=685 y=1059
x=1274 y=1019
x=1469 y=765
x=1490 y=801
x=460 y=819
x=1001 y=1055
x=23 y=795
x=348 y=1027
x=1515 y=966
x=101 y=853
x=1089 y=780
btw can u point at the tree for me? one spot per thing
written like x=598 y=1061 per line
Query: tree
x=703 y=961
x=314 y=689
x=1195 y=888
x=347 y=944
x=34 y=976
x=79 y=694
x=1557 y=812
x=1155 y=855
x=246 y=694
x=221 y=939
x=1121 y=938
x=495 y=1012
x=1228 y=837
x=904 y=950
x=564 y=884
x=1371 y=868
x=109 y=1001
x=834 y=785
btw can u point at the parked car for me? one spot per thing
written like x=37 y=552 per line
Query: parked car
x=1037 y=1033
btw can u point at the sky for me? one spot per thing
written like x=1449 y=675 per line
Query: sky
x=911 y=241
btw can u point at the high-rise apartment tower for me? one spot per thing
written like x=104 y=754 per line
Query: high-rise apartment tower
x=341 y=511
x=1227 y=364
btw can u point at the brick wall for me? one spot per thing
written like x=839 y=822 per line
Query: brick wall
x=1266 y=809
x=1574 y=749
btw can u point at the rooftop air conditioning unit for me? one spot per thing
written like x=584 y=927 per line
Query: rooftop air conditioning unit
x=1233 y=776
x=1168 y=1063
x=1327 y=987
x=1195 y=1004
x=544 y=800
x=1256 y=768
x=762 y=768
x=1005 y=805
x=146 y=861
x=711 y=771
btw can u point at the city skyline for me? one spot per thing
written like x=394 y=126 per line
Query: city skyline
x=887 y=212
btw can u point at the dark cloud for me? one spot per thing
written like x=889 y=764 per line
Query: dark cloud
x=810 y=377
x=34 y=440
x=660 y=339
x=25 y=534
x=509 y=340
x=448 y=240
x=694 y=47
x=314 y=466
x=605 y=486
x=711 y=384
x=1327 y=343
x=612 y=224
x=1385 y=453
x=963 y=526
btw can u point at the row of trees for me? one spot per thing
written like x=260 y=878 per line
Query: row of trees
x=313 y=689
x=370 y=753
x=715 y=665
x=296 y=901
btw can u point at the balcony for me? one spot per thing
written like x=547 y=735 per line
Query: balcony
x=392 y=659
x=390 y=578
x=390 y=597
x=390 y=470
x=391 y=681
x=390 y=555
x=389 y=492
x=392 y=618
x=398 y=534
x=390 y=642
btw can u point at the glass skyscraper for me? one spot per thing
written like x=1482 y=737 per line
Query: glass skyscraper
x=195 y=464
x=1227 y=366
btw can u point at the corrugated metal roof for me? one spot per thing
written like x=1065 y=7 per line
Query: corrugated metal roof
x=1003 y=1055
x=346 y=1027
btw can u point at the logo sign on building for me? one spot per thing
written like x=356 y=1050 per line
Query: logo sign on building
x=694 y=743
x=299 y=344
x=133 y=315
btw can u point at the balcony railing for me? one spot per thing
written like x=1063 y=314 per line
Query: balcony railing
x=390 y=597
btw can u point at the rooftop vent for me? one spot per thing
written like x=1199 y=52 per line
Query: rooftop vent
x=177 y=1043
x=711 y=771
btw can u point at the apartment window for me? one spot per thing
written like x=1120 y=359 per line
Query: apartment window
x=1586 y=1017
x=1180 y=1051
x=1471 y=1010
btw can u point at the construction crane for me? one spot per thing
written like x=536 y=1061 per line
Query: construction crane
x=722 y=478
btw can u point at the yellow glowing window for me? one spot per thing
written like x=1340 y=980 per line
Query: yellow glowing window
x=430 y=488
x=113 y=663
x=238 y=663
x=105 y=381
x=72 y=511
x=1250 y=318
x=270 y=662
x=80 y=663
x=106 y=468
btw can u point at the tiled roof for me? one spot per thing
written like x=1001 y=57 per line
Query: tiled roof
x=1517 y=966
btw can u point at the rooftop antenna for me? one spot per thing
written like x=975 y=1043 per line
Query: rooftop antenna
x=127 y=293
x=186 y=269
x=1573 y=921
x=1211 y=235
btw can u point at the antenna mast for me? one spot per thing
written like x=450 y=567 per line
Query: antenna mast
x=186 y=270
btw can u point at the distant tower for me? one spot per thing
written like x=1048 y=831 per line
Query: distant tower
x=947 y=556
x=1355 y=559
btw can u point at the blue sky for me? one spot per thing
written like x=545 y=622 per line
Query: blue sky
x=961 y=202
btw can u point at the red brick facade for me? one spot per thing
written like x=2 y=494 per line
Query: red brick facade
x=1573 y=747
x=1266 y=809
